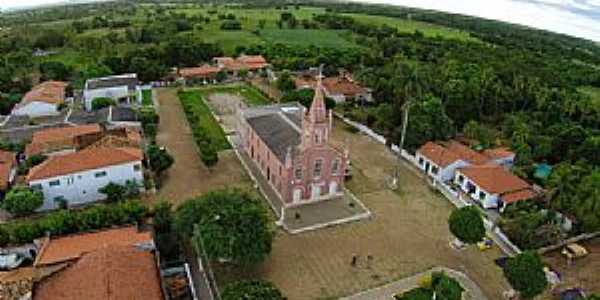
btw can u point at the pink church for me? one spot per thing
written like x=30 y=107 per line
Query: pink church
x=291 y=148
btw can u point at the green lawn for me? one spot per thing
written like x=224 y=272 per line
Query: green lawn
x=203 y=124
x=147 y=97
x=307 y=37
x=253 y=96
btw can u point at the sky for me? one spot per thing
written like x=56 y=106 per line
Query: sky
x=579 y=18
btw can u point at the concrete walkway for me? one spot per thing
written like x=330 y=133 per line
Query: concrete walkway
x=387 y=292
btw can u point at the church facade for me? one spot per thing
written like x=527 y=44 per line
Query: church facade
x=291 y=147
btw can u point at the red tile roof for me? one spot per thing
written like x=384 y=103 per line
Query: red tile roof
x=87 y=159
x=252 y=62
x=524 y=194
x=467 y=154
x=494 y=179
x=110 y=272
x=498 y=153
x=7 y=163
x=71 y=247
x=52 y=92
x=438 y=154
x=202 y=71
x=54 y=139
x=342 y=85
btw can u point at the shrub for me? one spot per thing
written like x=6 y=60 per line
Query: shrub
x=525 y=273
x=22 y=200
x=466 y=224
x=251 y=290
x=114 y=192
x=231 y=25
x=71 y=221
x=30 y=162
x=160 y=159
x=102 y=102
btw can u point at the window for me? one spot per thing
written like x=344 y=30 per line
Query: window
x=37 y=186
x=318 y=137
x=335 y=169
x=137 y=167
x=421 y=161
x=434 y=170
x=100 y=174
x=54 y=183
x=461 y=179
x=318 y=167
x=298 y=173
x=481 y=195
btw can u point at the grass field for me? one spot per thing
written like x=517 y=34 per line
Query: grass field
x=428 y=29
x=251 y=94
x=307 y=37
x=201 y=120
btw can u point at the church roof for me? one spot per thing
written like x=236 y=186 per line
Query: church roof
x=278 y=127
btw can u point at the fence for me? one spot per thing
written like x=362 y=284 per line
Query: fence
x=497 y=235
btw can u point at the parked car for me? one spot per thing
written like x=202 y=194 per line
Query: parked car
x=574 y=250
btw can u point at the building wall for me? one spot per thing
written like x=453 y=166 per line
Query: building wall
x=490 y=200
x=82 y=187
x=443 y=174
x=36 y=109
x=115 y=93
x=282 y=176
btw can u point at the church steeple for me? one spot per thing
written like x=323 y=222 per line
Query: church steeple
x=317 y=112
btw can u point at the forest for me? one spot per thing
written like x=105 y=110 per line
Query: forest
x=534 y=91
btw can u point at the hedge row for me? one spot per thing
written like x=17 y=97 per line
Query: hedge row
x=73 y=221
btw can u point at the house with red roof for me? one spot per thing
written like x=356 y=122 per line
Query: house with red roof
x=205 y=73
x=232 y=65
x=75 y=178
x=42 y=100
x=59 y=140
x=112 y=264
x=340 y=88
x=493 y=186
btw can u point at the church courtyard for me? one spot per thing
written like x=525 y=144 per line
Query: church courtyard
x=406 y=234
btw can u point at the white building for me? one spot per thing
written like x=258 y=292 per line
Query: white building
x=121 y=88
x=76 y=177
x=493 y=186
x=43 y=100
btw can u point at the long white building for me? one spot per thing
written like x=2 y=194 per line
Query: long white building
x=77 y=177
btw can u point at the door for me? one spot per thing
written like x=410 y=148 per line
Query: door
x=297 y=195
x=332 y=188
x=316 y=192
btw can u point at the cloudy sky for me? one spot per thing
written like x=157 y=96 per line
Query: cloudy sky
x=575 y=17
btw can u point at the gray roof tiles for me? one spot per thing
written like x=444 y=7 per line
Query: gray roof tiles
x=130 y=80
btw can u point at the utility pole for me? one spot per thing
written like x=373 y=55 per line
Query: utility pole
x=405 y=108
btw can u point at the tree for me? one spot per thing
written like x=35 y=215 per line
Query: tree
x=446 y=288
x=160 y=159
x=55 y=70
x=466 y=224
x=114 y=192
x=428 y=121
x=230 y=225
x=22 y=200
x=285 y=83
x=163 y=217
x=102 y=102
x=525 y=273
x=251 y=290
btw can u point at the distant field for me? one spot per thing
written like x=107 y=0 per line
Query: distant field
x=428 y=29
x=307 y=37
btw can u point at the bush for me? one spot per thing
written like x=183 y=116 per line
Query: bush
x=231 y=25
x=160 y=159
x=71 y=221
x=114 y=192
x=466 y=224
x=102 y=102
x=30 y=162
x=251 y=290
x=23 y=200
x=525 y=273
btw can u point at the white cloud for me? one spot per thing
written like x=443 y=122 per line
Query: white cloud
x=576 y=17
